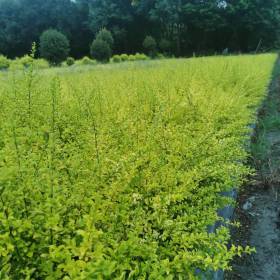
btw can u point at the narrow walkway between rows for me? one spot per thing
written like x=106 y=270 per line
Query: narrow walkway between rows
x=258 y=208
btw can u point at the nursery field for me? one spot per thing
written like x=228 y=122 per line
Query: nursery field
x=115 y=171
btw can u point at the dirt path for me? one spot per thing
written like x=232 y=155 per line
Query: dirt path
x=258 y=208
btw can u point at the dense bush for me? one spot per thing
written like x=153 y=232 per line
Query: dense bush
x=4 y=62
x=124 y=57
x=116 y=58
x=141 y=56
x=54 y=46
x=26 y=61
x=70 y=61
x=116 y=173
x=41 y=63
x=150 y=45
x=100 y=50
x=131 y=57
x=86 y=61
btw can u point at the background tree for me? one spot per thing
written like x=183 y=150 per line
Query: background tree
x=106 y=36
x=150 y=45
x=101 y=47
x=54 y=46
x=100 y=50
x=189 y=25
x=252 y=21
x=165 y=46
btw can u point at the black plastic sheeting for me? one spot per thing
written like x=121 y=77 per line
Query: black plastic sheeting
x=227 y=213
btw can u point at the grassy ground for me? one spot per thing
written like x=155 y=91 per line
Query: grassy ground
x=268 y=123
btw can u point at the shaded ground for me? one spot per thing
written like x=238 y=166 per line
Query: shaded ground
x=258 y=208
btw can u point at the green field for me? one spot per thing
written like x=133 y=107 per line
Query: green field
x=115 y=171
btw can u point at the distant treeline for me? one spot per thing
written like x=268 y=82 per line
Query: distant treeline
x=180 y=27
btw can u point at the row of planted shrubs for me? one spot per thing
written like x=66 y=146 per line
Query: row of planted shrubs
x=26 y=61
x=21 y=63
x=54 y=49
x=125 y=57
x=114 y=59
x=117 y=173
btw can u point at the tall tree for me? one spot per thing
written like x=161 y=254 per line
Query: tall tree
x=251 y=21
x=22 y=22
x=114 y=15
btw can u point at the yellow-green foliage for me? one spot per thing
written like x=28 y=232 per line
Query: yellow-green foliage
x=132 y=57
x=116 y=173
x=141 y=56
x=26 y=61
x=116 y=58
x=124 y=57
x=4 y=62
x=70 y=61
x=86 y=61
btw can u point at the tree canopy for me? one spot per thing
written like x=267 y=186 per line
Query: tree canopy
x=54 y=46
x=186 y=26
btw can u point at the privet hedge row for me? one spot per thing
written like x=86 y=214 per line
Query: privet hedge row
x=116 y=173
